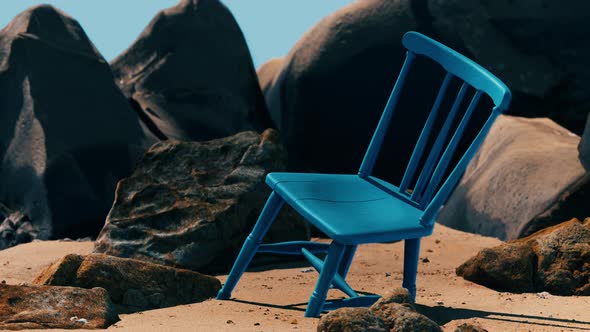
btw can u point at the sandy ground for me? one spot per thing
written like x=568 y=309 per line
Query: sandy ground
x=274 y=298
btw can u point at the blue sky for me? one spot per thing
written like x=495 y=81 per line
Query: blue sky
x=271 y=27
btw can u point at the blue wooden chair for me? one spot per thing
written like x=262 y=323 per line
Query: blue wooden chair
x=360 y=208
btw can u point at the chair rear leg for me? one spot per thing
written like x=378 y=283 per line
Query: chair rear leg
x=331 y=264
x=411 y=256
x=346 y=260
x=267 y=216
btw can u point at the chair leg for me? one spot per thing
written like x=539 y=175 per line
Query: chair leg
x=346 y=260
x=267 y=216
x=411 y=256
x=318 y=297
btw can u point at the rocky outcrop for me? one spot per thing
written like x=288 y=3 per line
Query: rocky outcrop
x=554 y=259
x=191 y=75
x=393 y=312
x=132 y=285
x=67 y=133
x=191 y=204
x=526 y=176
x=44 y=307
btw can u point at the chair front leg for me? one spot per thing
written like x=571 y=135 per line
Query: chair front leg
x=318 y=297
x=267 y=216
x=346 y=260
x=411 y=256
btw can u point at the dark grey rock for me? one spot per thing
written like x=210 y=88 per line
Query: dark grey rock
x=67 y=133
x=190 y=74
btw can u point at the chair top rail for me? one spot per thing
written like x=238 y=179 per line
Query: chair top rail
x=461 y=66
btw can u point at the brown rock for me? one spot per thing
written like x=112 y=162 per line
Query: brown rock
x=554 y=260
x=67 y=133
x=191 y=75
x=468 y=327
x=44 y=307
x=192 y=204
x=351 y=320
x=267 y=73
x=398 y=313
x=133 y=285
x=525 y=177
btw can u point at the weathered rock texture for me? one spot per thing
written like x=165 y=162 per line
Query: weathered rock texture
x=526 y=176
x=191 y=75
x=191 y=204
x=15 y=228
x=554 y=259
x=327 y=97
x=399 y=314
x=132 y=284
x=468 y=327
x=67 y=133
x=393 y=312
x=45 y=307
x=351 y=320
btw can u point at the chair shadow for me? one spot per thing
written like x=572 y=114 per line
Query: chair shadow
x=292 y=306
x=443 y=315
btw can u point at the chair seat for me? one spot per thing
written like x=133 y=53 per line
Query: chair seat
x=348 y=208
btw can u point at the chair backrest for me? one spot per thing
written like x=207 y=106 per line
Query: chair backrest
x=427 y=192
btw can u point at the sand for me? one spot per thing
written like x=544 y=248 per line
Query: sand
x=273 y=298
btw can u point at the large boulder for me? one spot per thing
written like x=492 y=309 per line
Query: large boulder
x=190 y=74
x=539 y=49
x=192 y=204
x=554 y=259
x=67 y=133
x=132 y=285
x=47 y=307
x=330 y=90
x=526 y=176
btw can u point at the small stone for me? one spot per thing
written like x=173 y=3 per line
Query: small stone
x=437 y=241
x=294 y=321
x=256 y=324
x=425 y=260
x=229 y=321
x=387 y=274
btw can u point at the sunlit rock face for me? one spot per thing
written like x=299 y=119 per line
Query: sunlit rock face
x=525 y=177
x=190 y=74
x=67 y=132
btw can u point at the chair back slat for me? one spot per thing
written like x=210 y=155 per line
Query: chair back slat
x=445 y=160
x=373 y=151
x=424 y=136
x=437 y=148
